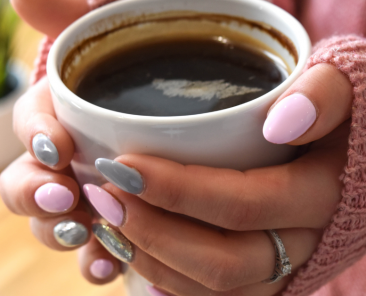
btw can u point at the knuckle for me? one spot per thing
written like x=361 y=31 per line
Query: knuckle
x=16 y=199
x=15 y=118
x=146 y=241
x=4 y=194
x=2 y=189
x=24 y=195
x=174 y=193
x=18 y=114
x=13 y=209
x=219 y=276
x=157 y=277
x=244 y=214
x=43 y=234
x=18 y=203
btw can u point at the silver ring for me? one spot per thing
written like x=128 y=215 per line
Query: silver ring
x=282 y=265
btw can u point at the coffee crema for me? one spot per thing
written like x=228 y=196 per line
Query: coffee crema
x=195 y=67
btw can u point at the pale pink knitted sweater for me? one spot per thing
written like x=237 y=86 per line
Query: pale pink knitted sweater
x=344 y=240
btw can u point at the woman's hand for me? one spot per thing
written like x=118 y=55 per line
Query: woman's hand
x=51 y=197
x=40 y=184
x=186 y=256
x=308 y=187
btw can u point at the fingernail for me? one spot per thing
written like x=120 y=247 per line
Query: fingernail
x=70 y=233
x=45 y=151
x=114 y=242
x=154 y=292
x=106 y=205
x=124 y=177
x=101 y=268
x=289 y=119
x=54 y=198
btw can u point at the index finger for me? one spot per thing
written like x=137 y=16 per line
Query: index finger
x=265 y=198
x=35 y=124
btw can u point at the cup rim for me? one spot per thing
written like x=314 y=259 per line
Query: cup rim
x=56 y=83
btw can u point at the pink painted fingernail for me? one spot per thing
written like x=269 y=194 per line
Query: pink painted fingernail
x=106 y=205
x=154 y=292
x=54 y=198
x=101 y=268
x=289 y=119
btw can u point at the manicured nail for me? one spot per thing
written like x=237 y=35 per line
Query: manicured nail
x=154 y=292
x=70 y=233
x=124 y=177
x=114 y=242
x=101 y=268
x=289 y=119
x=106 y=205
x=54 y=198
x=45 y=151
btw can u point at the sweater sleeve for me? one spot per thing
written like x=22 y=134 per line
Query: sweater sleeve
x=344 y=240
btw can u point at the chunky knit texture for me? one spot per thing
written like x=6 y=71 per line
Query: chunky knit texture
x=41 y=61
x=344 y=240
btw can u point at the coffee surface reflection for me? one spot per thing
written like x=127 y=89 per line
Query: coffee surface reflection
x=180 y=77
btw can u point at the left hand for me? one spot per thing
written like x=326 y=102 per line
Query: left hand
x=189 y=257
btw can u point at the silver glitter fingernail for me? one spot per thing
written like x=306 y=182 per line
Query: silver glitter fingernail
x=114 y=242
x=70 y=233
x=44 y=149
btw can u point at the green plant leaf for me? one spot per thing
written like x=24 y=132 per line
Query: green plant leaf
x=8 y=23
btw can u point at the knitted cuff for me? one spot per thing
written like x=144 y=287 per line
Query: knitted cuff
x=344 y=240
x=40 y=63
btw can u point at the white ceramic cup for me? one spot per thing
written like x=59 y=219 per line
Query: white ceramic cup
x=230 y=138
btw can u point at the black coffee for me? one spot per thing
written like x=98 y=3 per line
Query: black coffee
x=180 y=77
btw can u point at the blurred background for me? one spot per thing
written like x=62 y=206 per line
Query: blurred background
x=26 y=266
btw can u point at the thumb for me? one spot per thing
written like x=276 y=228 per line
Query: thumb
x=318 y=102
x=50 y=17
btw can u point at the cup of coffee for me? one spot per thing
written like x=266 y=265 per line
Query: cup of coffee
x=189 y=81
x=186 y=80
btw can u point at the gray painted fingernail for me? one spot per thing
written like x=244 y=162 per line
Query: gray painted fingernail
x=124 y=177
x=114 y=242
x=45 y=151
x=70 y=234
